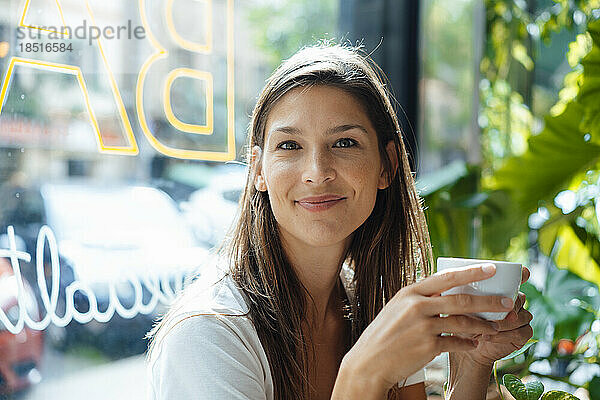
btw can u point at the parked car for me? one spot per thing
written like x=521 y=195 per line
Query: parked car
x=212 y=209
x=112 y=235
x=20 y=354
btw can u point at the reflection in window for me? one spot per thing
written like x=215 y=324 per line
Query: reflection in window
x=449 y=40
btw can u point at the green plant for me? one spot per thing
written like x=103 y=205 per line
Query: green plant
x=515 y=34
x=540 y=189
x=532 y=390
x=557 y=306
x=452 y=205
x=564 y=159
x=566 y=320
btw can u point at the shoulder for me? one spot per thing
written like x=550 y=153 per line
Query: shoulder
x=209 y=355
x=211 y=307
x=210 y=302
x=212 y=291
x=207 y=344
x=197 y=336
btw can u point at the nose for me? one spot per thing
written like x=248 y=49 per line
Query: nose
x=318 y=167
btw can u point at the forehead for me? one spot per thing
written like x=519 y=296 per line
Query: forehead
x=317 y=105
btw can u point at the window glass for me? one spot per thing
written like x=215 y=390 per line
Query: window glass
x=122 y=126
x=116 y=122
x=448 y=45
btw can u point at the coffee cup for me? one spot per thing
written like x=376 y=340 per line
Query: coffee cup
x=505 y=282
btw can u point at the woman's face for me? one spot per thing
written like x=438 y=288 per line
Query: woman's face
x=320 y=165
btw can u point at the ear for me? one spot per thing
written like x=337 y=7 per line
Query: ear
x=256 y=164
x=384 y=179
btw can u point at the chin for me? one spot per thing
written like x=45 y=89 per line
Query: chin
x=323 y=237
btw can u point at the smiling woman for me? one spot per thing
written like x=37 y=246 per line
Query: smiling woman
x=321 y=153
x=315 y=295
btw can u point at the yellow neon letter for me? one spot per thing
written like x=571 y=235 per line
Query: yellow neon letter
x=131 y=148
x=162 y=53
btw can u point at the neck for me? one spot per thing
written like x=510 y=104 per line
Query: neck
x=318 y=268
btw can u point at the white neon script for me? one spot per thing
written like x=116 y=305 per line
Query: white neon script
x=159 y=292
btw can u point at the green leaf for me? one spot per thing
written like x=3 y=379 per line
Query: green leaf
x=554 y=157
x=520 y=391
x=572 y=247
x=520 y=351
x=562 y=149
x=552 y=307
x=501 y=221
x=572 y=254
x=590 y=88
x=558 y=395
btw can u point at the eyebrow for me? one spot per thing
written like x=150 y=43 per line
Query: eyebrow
x=290 y=130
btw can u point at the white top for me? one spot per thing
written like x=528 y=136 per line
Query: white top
x=211 y=353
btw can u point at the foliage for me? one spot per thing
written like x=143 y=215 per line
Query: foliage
x=526 y=171
x=515 y=33
x=539 y=181
x=451 y=208
x=532 y=390
x=512 y=26
x=563 y=160
x=556 y=306
x=523 y=391
x=557 y=179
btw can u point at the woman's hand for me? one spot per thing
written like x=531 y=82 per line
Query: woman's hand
x=406 y=334
x=514 y=332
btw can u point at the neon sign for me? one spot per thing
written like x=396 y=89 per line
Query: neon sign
x=161 y=53
x=158 y=286
x=149 y=94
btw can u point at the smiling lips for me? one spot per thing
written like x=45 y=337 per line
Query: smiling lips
x=320 y=203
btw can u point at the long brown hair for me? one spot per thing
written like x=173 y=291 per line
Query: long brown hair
x=390 y=250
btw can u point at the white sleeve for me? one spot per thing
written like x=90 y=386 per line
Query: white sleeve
x=204 y=357
x=417 y=377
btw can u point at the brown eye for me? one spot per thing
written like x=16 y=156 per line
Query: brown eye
x=289 y=145
x=346 y=142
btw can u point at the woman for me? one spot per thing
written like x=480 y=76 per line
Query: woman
x=317 y=296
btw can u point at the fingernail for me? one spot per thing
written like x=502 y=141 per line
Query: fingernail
x=507 y=302
x=485 y=337
x=488 y=268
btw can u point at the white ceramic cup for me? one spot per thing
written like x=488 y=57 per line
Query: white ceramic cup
x=505 y=282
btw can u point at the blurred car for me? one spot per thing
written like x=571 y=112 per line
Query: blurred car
x=111 y=235
x=20 y=354
x=212 y=210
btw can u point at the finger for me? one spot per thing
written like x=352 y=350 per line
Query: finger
x=464 y=325
x=525 y=273
x=515 y=320
x=520 y=301
x=518 y=336
x=467 y=304
x=447 y=279
x=455 y=344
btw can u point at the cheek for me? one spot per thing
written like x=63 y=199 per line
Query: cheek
x=280 y=178
x=364 y=177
